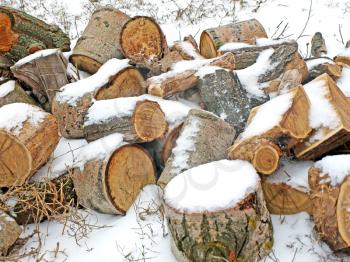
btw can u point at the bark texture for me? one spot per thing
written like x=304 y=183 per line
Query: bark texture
x=318 y=45
x=332 y=69
x=18 y=95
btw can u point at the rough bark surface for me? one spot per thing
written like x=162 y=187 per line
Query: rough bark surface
x=9 y=232
x=18 y=95
x=318 y=45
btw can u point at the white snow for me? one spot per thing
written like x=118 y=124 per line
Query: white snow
x=71 y=92
x=315 y=62
x=211 y=187
x=232 y=46
x=7 y=88
x=190 y=50
x=184 y=146
x=206 y=70
x=345 y=52
x=13 y=116
x=249 y=76
x=268 y=115
x=343 y=81
x=36 y=55
x=269 y=41
x=336 y=167
x=292 y=173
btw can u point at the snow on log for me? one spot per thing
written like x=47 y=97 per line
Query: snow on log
x=45 y=72
x=328 y=117
x=273 y=129
x=116 y=78
x=28 y=137
x=9 y=232
x=343 y=58
x=22 y=34
x=203 y=138
x=100 y=40
x=287 y=191
x=320 y=66
x=330 y=184
x=110 y=174
x=184 y=75
x=245 y=31
x=12 y=92
x=235 y=225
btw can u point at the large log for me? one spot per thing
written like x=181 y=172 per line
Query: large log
x=244 y=31
x=45 y=72
x=215 y=223
x=9 y=233
x=203 y=138
x=22 y=35
x=273 y=129
x=329 y=119
x=100 y=40
x=28 y=137
x=12 y=92
x=109 y=182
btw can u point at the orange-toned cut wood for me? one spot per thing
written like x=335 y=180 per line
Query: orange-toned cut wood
x=266 y=158
x=8 y=37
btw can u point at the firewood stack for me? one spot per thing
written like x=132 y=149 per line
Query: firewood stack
x=219 y=158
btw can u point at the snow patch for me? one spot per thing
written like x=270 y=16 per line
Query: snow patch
x=190 y=50
x=345 y=52
x=7 y=88
x=36 y=55
x=232 y=46
x=207 y=70
x=318 y=61
x=336 y=167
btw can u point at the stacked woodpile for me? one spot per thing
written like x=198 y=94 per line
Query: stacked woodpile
x=211 y=124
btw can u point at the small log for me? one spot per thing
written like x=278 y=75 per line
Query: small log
x=112 y=183
x=328 y=133
x=45 y=72
x=263 y=142
x=321 y=66
x=244 y=31
x=9 y=233
x=289 y=79
x=100 y=40
x=5 y=65
x=143 y=41
x=318 y=45
x=230 y=229
x=200 y=130
x=176 y=81
x=12 y=92
x=343 y=58
x=28 y=137
x=23 y=35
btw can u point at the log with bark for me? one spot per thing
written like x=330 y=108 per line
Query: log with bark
x=22 y=35
x=229 y=228
x=203 y=138
x=331 y=126
x=109 y=182
x=245 y=31
x=28 y=137
x=9 y=233
x=100 y=40
x=12 y=92
x=320 y=66
x=272 y=130
x=184 y=76
x=45 y=72
x=318 y=45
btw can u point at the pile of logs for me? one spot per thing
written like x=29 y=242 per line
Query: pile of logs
x=152 y=113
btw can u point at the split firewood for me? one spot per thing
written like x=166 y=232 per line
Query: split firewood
x=183 y=75
x=9 y=233
x=290 y=79
x=203 y=138
x=287 y=191
x=272 y=130
x=116 y=78
x=320 y=66
x=100 y=40
x=44 y=72
x=12 y=92
x=245 y=31
x=329 y=119
x=143 y=41
x=343 y=58
x=318 y=45
x=22 y=35
x=28 y=136
x=235 y=225
x=111 y=174
x=330 y=184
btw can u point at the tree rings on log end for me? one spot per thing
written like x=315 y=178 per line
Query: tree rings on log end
x=266 y=158
x=207 y=47
x=85 y=63
x=15 y=161
x=129 y=169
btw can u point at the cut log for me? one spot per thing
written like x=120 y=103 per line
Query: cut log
x=143 y=41
x=9 y=232
x=30 y=138
x=110 y=184
x=12 y=92
x=44 y=72
x=343 y=58
x=184 y=76
x=229 y=227
x=287 y=191
x=144 y=123
x=264 y=141
x=329 y=119
x=245 y=31
x=23 y=35
x=318 y=45
x=203 y=138
x=321 y=66
x=100 y=40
